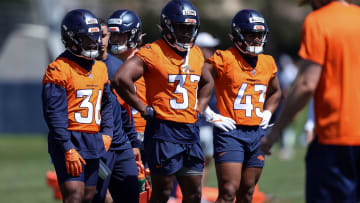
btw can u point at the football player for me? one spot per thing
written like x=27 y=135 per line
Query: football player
x=329 y=72
x=176 y=90
x=120 y=159
x=77 y=107
x=126 y=36
x=248 y=92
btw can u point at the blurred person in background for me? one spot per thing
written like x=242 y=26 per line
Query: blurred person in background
x=247 y=92
x=77 y=107
x=122 y=184
x=126 y=36
x=176 y=90
x=329 y=71
x=287 y=75
x=207 y=44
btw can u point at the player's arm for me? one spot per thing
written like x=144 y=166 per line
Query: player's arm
x=129 y=128
x=106 y=126
x=206 y=86
x=273 y=95
x=123 y=82
x=217 y=120
x=130 y=131
x=302 y=90
x=55 y=109
x=272 y=100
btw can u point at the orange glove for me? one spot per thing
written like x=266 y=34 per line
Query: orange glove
x=73 y=162
x=107 y=141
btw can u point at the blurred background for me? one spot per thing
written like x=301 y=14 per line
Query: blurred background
x=30 y=39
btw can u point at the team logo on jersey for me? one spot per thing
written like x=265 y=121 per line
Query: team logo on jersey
x=91 y=76
x=253 y=72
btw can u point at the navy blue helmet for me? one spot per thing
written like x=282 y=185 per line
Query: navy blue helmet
x=81 y=33
x=248 y=31
x=179 y=23
x=125 y=28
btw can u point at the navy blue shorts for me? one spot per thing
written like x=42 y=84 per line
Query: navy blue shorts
x=166 y=158
x=332 y=173
x=89 y=173
x=240 y=145
x=123 y=182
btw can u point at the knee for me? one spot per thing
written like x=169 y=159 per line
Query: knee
x=227 y=192
x=73 y=196
x=246 y=192
x=193 y=196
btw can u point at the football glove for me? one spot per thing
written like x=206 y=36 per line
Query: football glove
x=149 y=113
x=73 y=162
x=225 y=123
x=265 y=119
x=107 y=141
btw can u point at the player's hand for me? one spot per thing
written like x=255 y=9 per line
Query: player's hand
x=107 y=141
x=225 y=123
x=137 y=154
x=265 y=119
x=149 y=113
x=73 y=162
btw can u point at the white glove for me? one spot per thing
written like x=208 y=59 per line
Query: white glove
x=219 y=121
x=265 y=119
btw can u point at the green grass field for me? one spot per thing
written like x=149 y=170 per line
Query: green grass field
x=24 y=162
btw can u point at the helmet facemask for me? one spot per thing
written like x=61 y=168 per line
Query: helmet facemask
x=249 y=42
x=180 y=35
x=90 y=45
x=119 y=42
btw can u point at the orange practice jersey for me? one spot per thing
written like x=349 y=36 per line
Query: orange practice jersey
x=139 y=121
x=84 y=92
x=171 y=92
x=333 y=42
x=241 y=89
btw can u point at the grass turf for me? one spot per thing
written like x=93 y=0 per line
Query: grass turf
x=24 y=162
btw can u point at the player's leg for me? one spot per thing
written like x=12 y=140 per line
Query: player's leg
x=161 y=187
x=72 y=191
x=75 y=189
x=124 y=184
x=251 y=172
x=91 y=177
x=229 y=177
x=206 y=140
x=331 y=173
x=229 y=158
x=249 y=178
x=102 y=185
x=190 y=187
x=190 y=174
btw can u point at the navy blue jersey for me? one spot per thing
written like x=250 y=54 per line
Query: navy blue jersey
x=125 y=135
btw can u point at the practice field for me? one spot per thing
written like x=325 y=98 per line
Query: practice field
x=24 y=162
